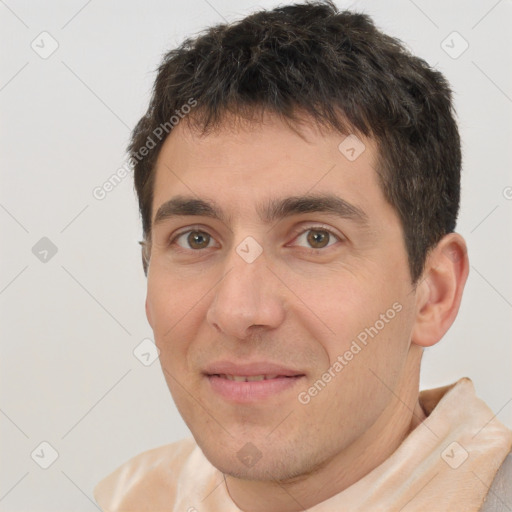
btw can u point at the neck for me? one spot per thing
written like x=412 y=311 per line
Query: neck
x=371 y=449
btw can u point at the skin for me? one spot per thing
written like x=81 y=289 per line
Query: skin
x=295 y=305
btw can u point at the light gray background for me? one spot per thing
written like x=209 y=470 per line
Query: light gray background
x=69 y=325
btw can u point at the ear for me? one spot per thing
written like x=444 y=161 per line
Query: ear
x=148 y=313
x=145 y=250
x=439 y=292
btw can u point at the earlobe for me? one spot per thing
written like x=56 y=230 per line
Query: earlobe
x=439 y=292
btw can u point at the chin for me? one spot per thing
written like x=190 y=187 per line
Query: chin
x=249 y=463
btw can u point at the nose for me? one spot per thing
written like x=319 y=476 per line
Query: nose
x=248 y=295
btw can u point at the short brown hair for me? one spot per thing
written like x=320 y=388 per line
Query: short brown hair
x=342 y=71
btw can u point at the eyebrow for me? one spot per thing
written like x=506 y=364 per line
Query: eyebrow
x=271 y=211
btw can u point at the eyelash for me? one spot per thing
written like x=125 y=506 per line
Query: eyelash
x=296 y=234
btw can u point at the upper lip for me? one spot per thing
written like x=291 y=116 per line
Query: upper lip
x=250 y=369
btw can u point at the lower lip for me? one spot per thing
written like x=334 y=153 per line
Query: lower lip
x=245 y=392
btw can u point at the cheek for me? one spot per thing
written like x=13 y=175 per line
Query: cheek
x=170 y=303
x=171 y=297
x=366 y=359
x=367 y=321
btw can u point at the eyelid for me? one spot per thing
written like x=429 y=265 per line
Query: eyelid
x=172 y=238
x=317 y=227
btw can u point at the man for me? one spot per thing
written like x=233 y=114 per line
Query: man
x=298 y=175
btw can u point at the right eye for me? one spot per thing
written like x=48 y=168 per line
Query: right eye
x=192 y=239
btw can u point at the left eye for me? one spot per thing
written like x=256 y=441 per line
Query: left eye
x=318 y=238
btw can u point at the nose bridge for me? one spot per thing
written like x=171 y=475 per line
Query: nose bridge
x=247 y=294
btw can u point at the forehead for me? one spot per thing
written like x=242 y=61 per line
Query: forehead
x=246 y=168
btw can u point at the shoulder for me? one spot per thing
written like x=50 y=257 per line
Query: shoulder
x=499 y=497
x=149 y=480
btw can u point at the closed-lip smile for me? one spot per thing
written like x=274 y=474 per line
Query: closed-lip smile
x=249 y=382
x=251 y=369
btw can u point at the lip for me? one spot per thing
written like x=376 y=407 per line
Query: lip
x=251 y=391
x=247 y=392
x=250 y=369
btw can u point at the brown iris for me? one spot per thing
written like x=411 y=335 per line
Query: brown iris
x=318 y=239
x=198 y=239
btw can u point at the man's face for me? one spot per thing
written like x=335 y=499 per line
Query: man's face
x=325 y=311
